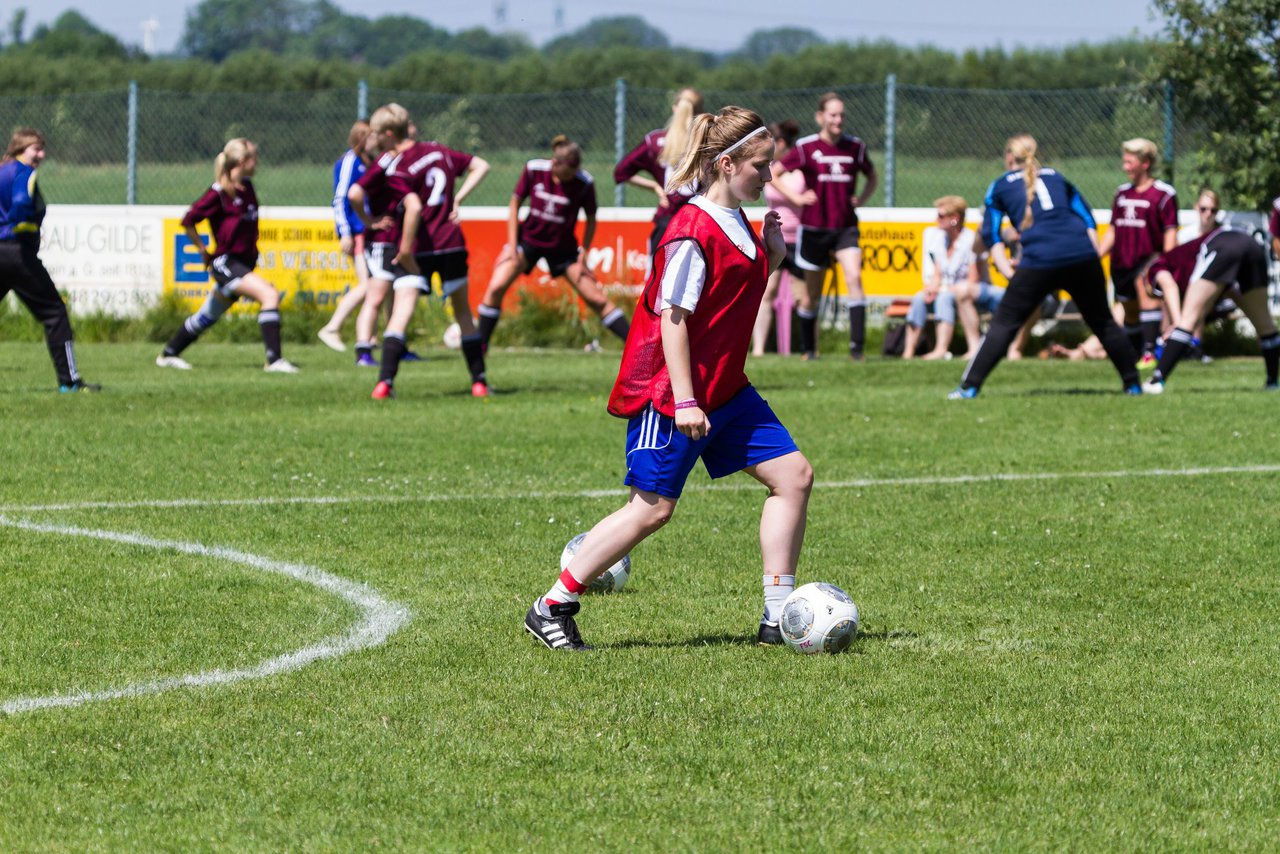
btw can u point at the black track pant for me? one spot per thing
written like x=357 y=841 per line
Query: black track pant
x=22 y=272
x=1087 y=285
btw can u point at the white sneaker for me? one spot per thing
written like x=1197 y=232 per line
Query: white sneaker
x=1153 y=386
x=281 y=366
x=178 y=362
x=593 y=347
x=332 y=340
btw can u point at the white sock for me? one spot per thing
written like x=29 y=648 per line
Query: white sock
x=776 y=590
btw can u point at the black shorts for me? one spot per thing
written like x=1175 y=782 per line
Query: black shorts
x=789 y=263
x=227 y=271
x=381 y=260
x=1124 y=281
x=558 y=260
x=815 y=246
x=660 y=224
x=1232 y=258
x=452 y=267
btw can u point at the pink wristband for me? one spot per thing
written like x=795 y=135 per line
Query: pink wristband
x=687 y=403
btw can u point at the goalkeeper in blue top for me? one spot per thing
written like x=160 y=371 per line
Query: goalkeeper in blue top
x=1059 y=252
x=21 y=271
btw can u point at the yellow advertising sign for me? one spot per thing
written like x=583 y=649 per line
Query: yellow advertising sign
x=299 y=257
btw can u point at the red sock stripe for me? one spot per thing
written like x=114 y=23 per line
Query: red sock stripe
x=570 y=583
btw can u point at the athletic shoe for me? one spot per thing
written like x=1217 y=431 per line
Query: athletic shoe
x=410 y=356
x=963 y=393
x=1152 y=386
x=177 y=362
x=556 y=629
x=593 y=347
x=332 y=339
x=1271 y=387
x=769 y=634
x=383 y=391
x=280 y=366
x=479 y=389
x=366 y=360
x=857 y=356
x=79 y=385
x=1134 y=390
x=1148 y=362
x=809 y=357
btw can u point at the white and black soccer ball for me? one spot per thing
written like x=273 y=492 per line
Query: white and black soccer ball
x=611 y=580
x=453 y=337
x=819 y=617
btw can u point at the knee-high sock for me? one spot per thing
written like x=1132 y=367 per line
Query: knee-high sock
x=393 y=348
x=269 y=325
x=191 y=329
x=807 y=325
x=1134 y=332
x=1271 y=356
x=473 y=353
x=489 y=317
x=1150 y=329
x=616 y=321
x=857 y=326
x=1175 y=346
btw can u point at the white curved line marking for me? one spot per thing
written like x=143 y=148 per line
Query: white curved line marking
x=380 y=619
x=742 y=484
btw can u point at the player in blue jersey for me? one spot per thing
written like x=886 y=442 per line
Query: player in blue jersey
x=1059 y=252
x=21 y=271
x=346 y=171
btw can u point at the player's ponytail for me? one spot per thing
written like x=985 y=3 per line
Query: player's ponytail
x=733 y=131
x=235 y=152
x=1022 y=148
x=676 y=142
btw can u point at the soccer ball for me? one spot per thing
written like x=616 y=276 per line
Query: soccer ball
x=611 y=580
x=453 y=337
x=819 y=617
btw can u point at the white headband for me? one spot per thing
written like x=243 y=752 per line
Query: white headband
x=759 y=130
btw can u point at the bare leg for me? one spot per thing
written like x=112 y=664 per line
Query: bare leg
x=618 y=533
x=782 y=522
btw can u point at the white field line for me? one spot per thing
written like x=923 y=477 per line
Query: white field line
x=380 y=618
x=740 y=484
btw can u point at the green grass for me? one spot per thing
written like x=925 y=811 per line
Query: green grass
x=1082 y=663
x=918 y=181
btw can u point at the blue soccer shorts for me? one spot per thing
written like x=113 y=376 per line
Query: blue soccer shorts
x=744 y=432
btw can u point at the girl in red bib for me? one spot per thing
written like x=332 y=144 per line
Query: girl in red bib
x=682 y=386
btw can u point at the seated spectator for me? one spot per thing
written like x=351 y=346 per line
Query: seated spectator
x=948 y=263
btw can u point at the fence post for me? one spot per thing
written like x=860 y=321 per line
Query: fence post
x=619 y=134
x=131 y=157
x=890 y=136
x=362 y=100
x=1168 y=126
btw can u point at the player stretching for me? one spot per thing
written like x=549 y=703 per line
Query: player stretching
x=21 y=270
x=231 y=207
x=1144 y=223
x=659 y=153
x=682 y=385
x=557 y=189
x=830 y=161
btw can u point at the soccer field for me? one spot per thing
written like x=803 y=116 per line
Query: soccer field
x=261 y=612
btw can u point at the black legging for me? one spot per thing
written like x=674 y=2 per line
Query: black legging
x=1087 y=284
x=22 y=272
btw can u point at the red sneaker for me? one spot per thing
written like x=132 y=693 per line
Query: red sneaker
x=479 y=389
x=383 y=391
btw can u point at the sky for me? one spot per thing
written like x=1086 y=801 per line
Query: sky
x=715 y=25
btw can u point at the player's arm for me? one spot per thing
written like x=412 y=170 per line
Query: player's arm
x=588 y=233
x=774 y=244
x=195 y=215
x=475 y=174
x=358 y=199
x=1108 y=240
x=513 y=222
x=628 y=172
x=691 y=421
x=873 y=181
x=801 y=200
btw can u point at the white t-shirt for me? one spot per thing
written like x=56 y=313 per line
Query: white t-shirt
x=954 y=267
x=686 y=270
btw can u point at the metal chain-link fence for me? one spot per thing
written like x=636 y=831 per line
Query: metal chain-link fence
x=152 y=147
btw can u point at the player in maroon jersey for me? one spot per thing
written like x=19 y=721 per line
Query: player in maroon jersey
x=1144 y=223
x=1202 y=271
x=682 y=383
x=1274 y=227
x=831 y=161
x=659 y=153
x=231 y=207
x=427 y=171
x=557 y=189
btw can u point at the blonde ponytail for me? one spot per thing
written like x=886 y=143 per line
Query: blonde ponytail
x=235 y=152
x=1023 y=150
x=712 y=136
x=676 y=142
